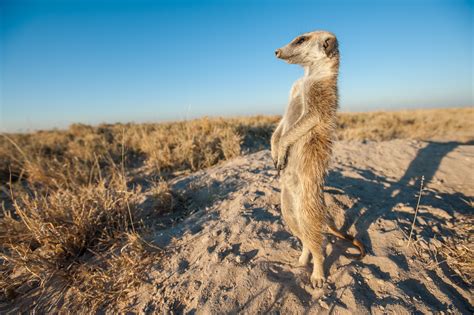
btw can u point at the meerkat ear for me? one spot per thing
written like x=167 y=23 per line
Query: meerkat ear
x=330 y=46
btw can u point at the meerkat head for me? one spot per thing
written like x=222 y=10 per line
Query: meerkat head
x=319 y=48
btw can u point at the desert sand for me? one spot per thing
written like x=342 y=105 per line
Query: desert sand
x=228 y=250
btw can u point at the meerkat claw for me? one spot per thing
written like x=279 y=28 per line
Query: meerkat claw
x=281 y=167
x=317 y=282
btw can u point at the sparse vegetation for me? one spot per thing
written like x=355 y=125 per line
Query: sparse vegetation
x=72 y=231
x=456 y=250
x=433 y=124
x=459 y=251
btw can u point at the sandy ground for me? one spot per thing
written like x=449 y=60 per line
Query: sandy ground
x=230 y=252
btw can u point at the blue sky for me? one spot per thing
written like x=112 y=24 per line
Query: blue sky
x=108 y=61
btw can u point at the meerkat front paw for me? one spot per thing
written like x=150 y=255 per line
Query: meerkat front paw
x=282 y=159
x=275 y=158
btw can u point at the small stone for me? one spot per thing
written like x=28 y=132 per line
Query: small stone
x=330 y=286
x=239 y=259
x=217 y=257
x=435 y=229
x=196 y=284
x=324 y=304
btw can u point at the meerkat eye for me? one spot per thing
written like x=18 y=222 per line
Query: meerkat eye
x=300 y=40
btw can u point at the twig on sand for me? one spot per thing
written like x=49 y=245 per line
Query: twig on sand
x=416 y=210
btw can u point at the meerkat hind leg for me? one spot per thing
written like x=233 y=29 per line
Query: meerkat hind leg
x=317 y=277
x=305 y=257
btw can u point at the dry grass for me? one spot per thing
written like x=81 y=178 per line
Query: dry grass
x=456 y=251
x=459 y=255
x=435 y=124
x=58 y=158
x=454 y=247
x=80 y=247
x=71 y=231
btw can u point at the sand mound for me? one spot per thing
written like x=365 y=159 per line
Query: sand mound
x=230 y=251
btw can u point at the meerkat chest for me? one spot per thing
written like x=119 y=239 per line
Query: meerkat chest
x=295 y=105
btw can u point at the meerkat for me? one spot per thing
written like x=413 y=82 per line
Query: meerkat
x=302 y=145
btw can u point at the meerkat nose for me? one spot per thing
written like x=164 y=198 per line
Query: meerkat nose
x=278 y=53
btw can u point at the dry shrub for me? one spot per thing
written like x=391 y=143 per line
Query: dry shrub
x=191 y=145
x=111 y=279
x=82 y=243
x=230 y=143
x=161 y=200
x=65 y=157
x=56 y=158
x=453 y=248
x=459 y=251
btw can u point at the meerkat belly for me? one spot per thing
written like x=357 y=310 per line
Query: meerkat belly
x=309 y=156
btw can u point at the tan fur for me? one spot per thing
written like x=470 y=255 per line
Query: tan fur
x=302 y=144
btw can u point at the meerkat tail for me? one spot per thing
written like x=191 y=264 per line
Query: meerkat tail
x=349 y=238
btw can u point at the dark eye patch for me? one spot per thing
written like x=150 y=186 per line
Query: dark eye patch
x=300 y=40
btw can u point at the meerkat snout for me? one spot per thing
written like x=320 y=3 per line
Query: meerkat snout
x=278 y=53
